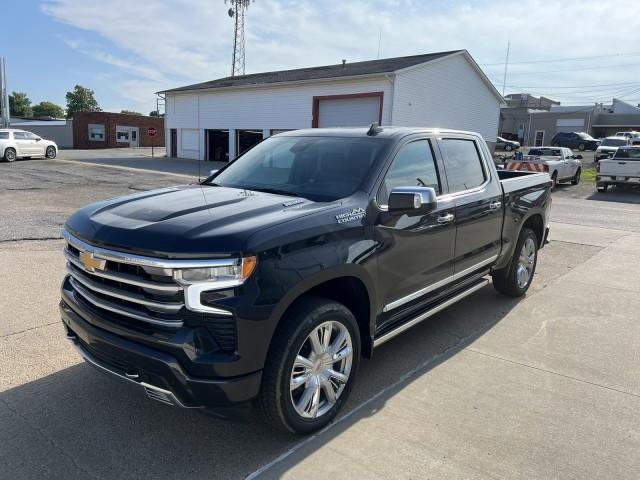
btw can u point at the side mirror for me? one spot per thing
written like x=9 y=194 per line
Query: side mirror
x=578 y=157
x=412 y=199
x=212 y=172
x=38 y=139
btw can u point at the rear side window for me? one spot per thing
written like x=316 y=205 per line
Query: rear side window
x=4 y=135
x=19 y=136
x=413 y=166
x=463 y=164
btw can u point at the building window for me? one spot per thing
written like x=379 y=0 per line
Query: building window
x=122 y=134
x=96 y=132
x=247 y=139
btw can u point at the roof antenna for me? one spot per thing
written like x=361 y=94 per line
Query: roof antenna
x=374 y=129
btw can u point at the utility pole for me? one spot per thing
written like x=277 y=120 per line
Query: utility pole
x=237 y=12
x=506 y=66
x=4 y=97
x=379 y=41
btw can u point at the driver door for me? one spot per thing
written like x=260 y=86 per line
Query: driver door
x=36 y=145
x=417 y=248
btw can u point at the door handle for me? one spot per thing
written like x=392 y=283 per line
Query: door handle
x=495 y=205
x=448 y=218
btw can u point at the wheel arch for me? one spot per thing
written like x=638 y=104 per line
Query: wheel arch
x=348 y=285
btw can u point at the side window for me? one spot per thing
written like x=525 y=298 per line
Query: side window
x=413 y=166
x=30 y=136
x=4 y=135
x=19 y=136
x=463 y=164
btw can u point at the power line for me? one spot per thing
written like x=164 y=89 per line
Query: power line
x=572 y=59
x=541 y=72
x=572 y=86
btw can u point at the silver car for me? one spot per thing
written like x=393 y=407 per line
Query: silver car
x=20 y=144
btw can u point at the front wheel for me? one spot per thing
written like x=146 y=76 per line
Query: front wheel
x=10 y=155
x=508 y=148
x=554 y=181
x=311 y=366
x=576 y=178
x=581 y=147
x=51 y=152
x=515 y=279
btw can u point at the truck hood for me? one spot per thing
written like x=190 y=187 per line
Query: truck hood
x=191 y=220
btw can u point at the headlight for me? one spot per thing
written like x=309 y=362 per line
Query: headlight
x=229 y=274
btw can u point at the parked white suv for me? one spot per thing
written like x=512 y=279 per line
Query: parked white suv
x=19 y=144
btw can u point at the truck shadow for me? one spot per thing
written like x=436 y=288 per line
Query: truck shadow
x=78 y=423
x=617 y=195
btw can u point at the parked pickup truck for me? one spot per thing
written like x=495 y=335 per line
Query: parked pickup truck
x=271 y=279
x=622 y=169
x=559 y=162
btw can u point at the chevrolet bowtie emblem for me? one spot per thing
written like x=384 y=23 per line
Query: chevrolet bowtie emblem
x=92 y=263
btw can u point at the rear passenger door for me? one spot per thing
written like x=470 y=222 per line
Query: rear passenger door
x=477 y=194
x=23 y=144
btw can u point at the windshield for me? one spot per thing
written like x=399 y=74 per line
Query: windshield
x=613 y=142
x=628 y=153
x=552 y=152
x=319 y=168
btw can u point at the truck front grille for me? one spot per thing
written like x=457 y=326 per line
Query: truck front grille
x=146 y=294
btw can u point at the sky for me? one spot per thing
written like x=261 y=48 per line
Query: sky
x=574 y=51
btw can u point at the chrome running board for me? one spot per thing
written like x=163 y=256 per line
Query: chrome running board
x=407 y=325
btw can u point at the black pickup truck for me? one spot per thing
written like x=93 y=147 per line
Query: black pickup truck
x=271 y=279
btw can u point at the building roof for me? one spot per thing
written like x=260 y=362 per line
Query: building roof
x=370 y=67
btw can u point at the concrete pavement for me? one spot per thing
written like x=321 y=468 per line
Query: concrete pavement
x=551 y=391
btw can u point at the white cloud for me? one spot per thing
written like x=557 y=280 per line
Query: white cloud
x=170 y=43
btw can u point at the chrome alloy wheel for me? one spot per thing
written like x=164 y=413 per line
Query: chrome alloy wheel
x=526 y=261
x=321 y=369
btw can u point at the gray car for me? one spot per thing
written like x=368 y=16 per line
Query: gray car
x=507 y=145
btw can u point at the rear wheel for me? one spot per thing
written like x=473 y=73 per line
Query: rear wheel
x=576 y=178
x=9 y=154
x=515 y=279
x=51 y=152
x=311 y=366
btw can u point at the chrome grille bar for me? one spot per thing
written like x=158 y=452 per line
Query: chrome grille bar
x=168 y=307
x=120 y=309
x=123 y=277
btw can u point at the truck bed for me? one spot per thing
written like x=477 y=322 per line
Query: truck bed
x=513 y=180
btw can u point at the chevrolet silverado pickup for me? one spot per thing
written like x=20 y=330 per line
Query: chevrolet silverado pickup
x=269 y=281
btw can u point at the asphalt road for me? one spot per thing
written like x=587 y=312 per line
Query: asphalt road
x=492 y=387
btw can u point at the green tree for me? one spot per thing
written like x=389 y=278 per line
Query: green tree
x=154 y=113
x=130 y=112
x=81 y=99
x=20 y=105
x=48 y=109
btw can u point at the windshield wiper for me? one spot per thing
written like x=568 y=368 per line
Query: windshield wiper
x=274 y=190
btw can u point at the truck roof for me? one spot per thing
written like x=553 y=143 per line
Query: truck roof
x=381 y=132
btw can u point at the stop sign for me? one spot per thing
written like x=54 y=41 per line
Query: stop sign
x=151 y=131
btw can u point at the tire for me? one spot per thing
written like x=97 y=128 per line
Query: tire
x=581 y=147
x=10 y=155
x=285 y=408
x=515 y=279
x=576 y=178
x=603 y=188
x=554 y=181
x=51 y=152
x=508 y=148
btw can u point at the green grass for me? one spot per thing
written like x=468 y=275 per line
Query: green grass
x=588 y=175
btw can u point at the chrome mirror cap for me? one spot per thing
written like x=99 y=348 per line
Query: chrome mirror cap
x=412 y=198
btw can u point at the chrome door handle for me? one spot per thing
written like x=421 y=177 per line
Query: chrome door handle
x=446 y=218
x=495 y=205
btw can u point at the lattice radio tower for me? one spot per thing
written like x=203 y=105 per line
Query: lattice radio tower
x=237 y=12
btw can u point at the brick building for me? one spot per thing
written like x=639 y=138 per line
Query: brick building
x=113 y=130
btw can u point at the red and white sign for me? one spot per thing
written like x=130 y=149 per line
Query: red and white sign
x=525 y=167
x=151 y=131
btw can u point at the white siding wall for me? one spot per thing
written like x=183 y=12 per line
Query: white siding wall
x=274 y=107
x=446 y=94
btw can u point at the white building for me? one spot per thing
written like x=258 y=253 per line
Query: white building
x=219 y=119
